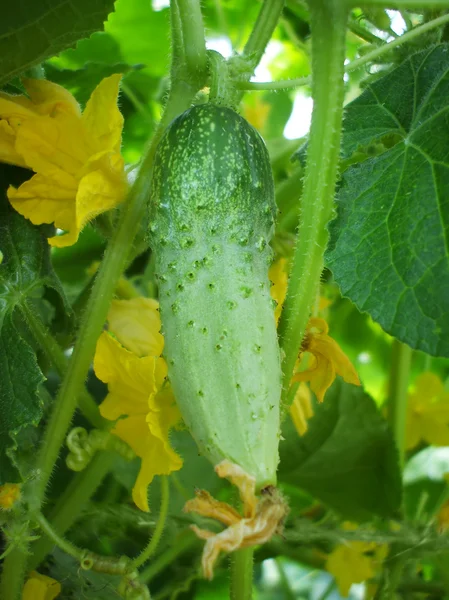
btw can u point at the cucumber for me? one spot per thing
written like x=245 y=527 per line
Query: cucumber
x=213 y=213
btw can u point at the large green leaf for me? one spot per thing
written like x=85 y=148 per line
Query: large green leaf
x=31 y=31
x=26 y=278
x=347 y=458
x=389 y=249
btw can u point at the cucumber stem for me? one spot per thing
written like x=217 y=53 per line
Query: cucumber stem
x=328 y=21
x=193 y=38
x=263 y=30
x=56 y=356
x=72 y=502
x=150 y=549
x=242 y=562
x=401 y=356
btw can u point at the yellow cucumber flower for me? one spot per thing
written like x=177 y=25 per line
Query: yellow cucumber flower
x=79 y=172
x=136 y=324
x=40 y=587
x=9 y=495
x=355 y=562
x=428 y=413
x=139 y=396
x=279 y=277
x=327 y=361
x=301 y=408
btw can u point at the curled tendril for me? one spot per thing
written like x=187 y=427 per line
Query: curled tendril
x=130 y=588
x=110 y=565
x=83 y=446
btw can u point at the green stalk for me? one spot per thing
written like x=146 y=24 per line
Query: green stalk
x=193 y=38
x=150 y=549
x=56 y=356
x=363 y=33
x=242 y=574
x=183 y=543
x=262 y=31
x=328 y=21
x=57 y=540
x=14 y=569
x=401 y=356
x=72 y=502
x=352 y=66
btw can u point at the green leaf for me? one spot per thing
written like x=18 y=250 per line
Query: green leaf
x=347 y=459
x=142 y=34
x=31 y=31
x=389 y=249
x=26 y=276
x=20 y=405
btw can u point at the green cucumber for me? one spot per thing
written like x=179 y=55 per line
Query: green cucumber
x=212 y=219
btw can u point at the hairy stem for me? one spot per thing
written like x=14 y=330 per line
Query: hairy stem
x=401 y=356
x=150 y=549
x=263 y=30
x=57 y=540
x=75 y=497
x=352 y=66
x=193 y=38
x=56 y=356
x=181 y=545
x=242 y=562
x=328 y=20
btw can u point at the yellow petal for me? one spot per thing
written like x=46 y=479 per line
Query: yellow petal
x=131 y=380
x=328 y=348
x=40 y=587
x=48 y=97
x=412 y=431
x=428 y=385
x=137 y=323
x=76 y=158
x=301 y=408
x=102 y=116
x=158 y=458
x=44 y=201
x=9 y=495
x=434 y=431
x=256 y=112
x=53 y=147
x=348 y=564
x=8 y=152
x=96 y=194
x=279 y=277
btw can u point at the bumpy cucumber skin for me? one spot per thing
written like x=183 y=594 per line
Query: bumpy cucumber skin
x=212 y=220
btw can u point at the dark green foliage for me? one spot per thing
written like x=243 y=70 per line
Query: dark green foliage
x=31 y=31
x=347 y=458
x=26 y=274
x=389 y=244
